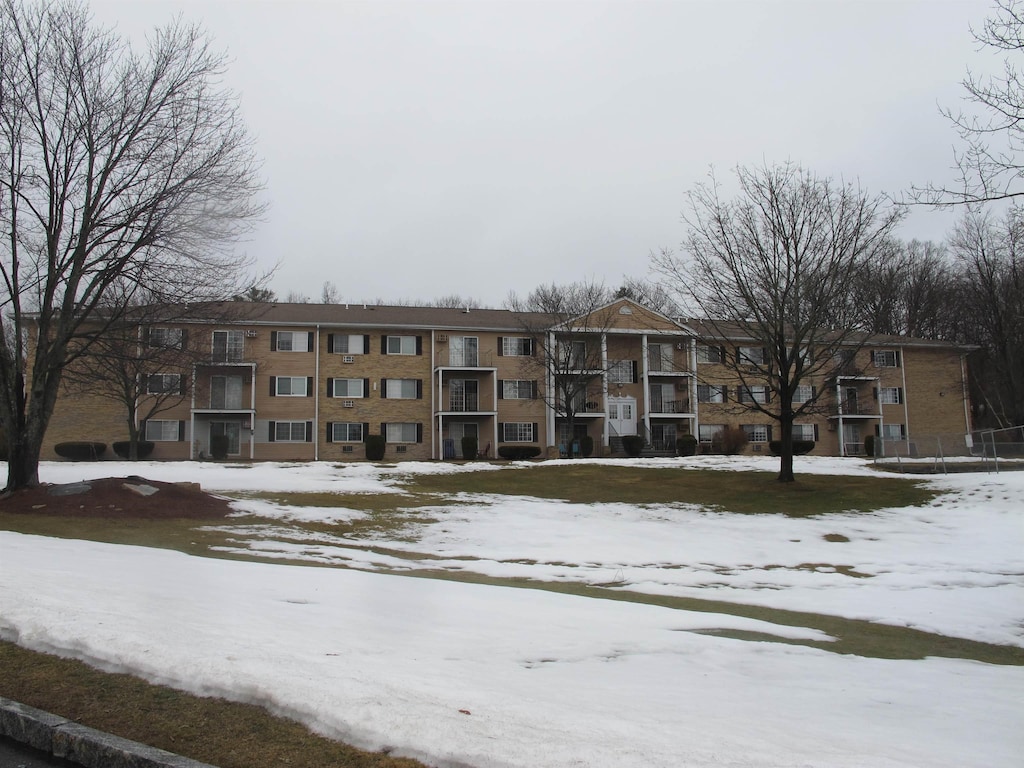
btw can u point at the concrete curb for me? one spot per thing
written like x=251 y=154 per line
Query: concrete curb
x=76 y=743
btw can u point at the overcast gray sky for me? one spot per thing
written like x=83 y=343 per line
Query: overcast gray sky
x=418 y=149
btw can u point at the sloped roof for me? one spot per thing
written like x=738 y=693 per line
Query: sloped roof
x=736 y=332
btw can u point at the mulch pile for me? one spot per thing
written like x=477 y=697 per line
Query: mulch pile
x=124 y=497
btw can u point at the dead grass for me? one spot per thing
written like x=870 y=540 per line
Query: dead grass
x=740 y=492
x=219 y=732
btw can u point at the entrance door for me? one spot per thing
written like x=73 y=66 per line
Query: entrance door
x=850 y=437
x=622 y=415
x=233 y=431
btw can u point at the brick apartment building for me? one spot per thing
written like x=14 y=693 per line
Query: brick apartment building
x=305 y=382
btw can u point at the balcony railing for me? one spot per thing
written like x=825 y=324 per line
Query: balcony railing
x=465 y=359
x=660 y=405
x=463 y=403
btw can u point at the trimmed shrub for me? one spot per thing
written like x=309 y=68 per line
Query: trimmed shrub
x=632 y=445
x=123 y=448
x=800 y=447
x=375 y=446
x=869 y=446
x=686 y=445
x=469 y=447
x=518 y=452
x=733 y=440
x=80 y=451
x=219 y=446
x=586 y=445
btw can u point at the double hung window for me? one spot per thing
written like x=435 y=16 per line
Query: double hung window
x=346 y=432
x=402 y=432
x=518 y=432
x=400 y=345
x=710 y=393
x=291 y=386
x=290 y=431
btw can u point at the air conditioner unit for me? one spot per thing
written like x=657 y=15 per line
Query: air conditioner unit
x=349 y=404
x=831 y=426
x=400 y=449
x=683 y=386
x=442 y=338
x=348 y=358
x=251 y=334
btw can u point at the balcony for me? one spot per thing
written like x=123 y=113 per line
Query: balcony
x=467 y=358
x=463 y=403
x=662 y=405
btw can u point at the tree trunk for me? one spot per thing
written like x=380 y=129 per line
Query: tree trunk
x=22 y=463
x=133 y=440
x=786 y=448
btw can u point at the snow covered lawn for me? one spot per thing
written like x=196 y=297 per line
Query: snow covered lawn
x=471 y=675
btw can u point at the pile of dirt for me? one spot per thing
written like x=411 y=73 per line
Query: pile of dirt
x=124 y=497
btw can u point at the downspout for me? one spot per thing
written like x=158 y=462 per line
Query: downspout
x=192 y=418
x=252 y=408
x=551 y=399
x=316 y=400
x=646 y=384
x=692 y=389
x=436 y=427
x=906 y=409
x=966 y=393
x=839 y=420
x=605 y=437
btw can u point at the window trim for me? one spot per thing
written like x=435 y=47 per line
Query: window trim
x=755 y=431
x=179 y=343
x=703 y=351
x=716 y=431
x=722 y=391
x=416 y=427
x=417 y=342
x=880 y=358
x=332 y=388
x=518 y=387
x=386 y=391
x=274 y=426
x=332 y=436
x=516 y=346
x=178 y=387
x=275 y=386
x=519 y=429
x=885 y=399
x=178 y=431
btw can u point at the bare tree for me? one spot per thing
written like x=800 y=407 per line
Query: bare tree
x=329 y=294
x=990 y=256
x=651 y=295
x=768 y=270
x=988 y=164
x=566 y=324
x=118 y=170
x=456 y=301
x=257 y=294
x=905 y=289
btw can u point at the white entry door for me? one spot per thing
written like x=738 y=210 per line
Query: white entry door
x=621 y=416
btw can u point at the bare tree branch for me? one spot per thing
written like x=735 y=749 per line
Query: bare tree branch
x=120 y=173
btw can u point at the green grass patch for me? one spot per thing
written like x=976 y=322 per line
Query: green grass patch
x=740 y=492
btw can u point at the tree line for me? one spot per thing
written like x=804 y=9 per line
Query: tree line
x=127 y=179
